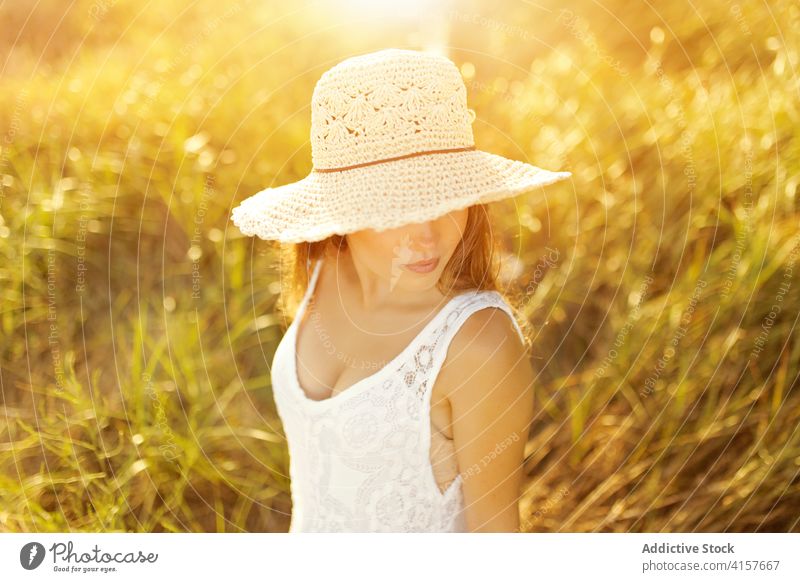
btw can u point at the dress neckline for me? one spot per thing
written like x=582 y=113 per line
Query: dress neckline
x=359 y=385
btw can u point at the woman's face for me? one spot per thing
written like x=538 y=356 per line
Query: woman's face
x=388 y=253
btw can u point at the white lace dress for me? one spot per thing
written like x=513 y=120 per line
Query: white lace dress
x=360 y=460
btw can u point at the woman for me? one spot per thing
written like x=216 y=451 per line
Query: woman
x=403 y=382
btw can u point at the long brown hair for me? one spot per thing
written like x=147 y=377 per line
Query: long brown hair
x=474 y=265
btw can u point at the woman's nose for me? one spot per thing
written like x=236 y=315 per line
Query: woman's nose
x=426 y=233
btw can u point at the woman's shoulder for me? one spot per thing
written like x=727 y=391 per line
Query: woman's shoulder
x=488 y=317
x=483 y=319
x=488 y=340
x=481 y=301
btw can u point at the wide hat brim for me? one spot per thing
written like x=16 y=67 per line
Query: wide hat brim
x=386 y=195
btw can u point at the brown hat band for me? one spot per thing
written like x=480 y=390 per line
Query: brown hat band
x=447 y=151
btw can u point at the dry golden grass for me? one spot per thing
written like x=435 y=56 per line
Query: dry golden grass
x=667 y=382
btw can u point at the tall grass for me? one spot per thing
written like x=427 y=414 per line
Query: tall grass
x=138 y=325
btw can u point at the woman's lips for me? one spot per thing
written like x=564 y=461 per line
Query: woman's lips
x=423 y=266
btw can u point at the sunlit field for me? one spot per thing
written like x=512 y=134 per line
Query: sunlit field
x=661 y=282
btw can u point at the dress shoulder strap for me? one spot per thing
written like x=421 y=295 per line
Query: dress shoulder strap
x=469 y=303
x=430 y=355
x=312 y=283
x=474 y=302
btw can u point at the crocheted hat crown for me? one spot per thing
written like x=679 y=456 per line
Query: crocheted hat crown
x=387 y=104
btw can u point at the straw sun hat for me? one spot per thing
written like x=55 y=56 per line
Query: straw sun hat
x=391 y=144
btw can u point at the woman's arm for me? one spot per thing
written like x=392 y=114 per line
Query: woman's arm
x=488 y=379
